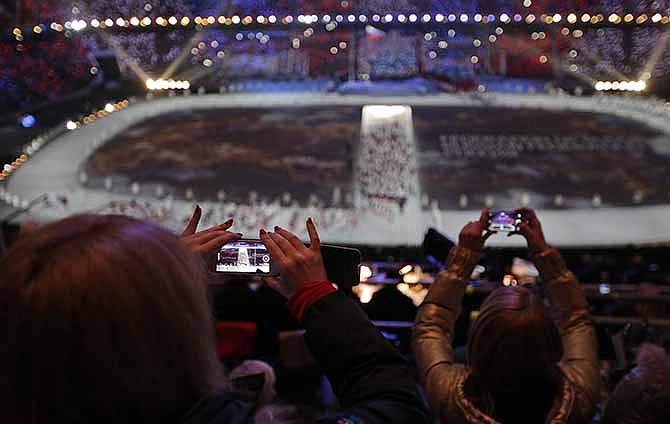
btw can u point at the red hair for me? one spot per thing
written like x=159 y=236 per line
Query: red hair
x=104 y=319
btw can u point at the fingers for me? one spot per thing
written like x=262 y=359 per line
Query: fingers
x=486 y=235
x=286 y=247
x=292 y=238
x=524 y=229
x=530 y=215
x=314 y=241
x=275 y=252
x=193 y=222
x=484 y=217
x=226 y=225
x=218 y=241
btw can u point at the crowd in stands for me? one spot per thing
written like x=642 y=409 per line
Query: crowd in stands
x=107 y=318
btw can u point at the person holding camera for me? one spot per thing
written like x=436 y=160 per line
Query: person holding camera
x=526 y=362
x=105 y=319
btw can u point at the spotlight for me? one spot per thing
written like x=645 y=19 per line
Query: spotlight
x=28 y=121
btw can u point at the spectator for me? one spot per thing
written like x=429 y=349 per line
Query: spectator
x=642 y=396
x=368 y=375
x=105 y=319
x=522 y=367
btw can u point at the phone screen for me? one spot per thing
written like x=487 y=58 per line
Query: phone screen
x=504 y=221
x=249 y=257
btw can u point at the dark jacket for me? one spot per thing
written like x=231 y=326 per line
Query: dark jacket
x=444 y=380
x=369 y=376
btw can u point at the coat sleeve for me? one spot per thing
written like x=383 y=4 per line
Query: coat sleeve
x=434 y=327
x=570 y=311
x=370 y=377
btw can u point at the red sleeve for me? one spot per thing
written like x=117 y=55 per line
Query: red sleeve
x=307 y=295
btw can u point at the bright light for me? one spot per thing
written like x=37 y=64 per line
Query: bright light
x=71 y=125
x=109 y=108
x=384 y=112
x=134 y=21
x=631 y=86
x=95 y=23
x=406 y=269
x=365 y=273
x=504 y=18
x=162 y=84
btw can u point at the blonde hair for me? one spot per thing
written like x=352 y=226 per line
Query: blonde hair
x=104 y=318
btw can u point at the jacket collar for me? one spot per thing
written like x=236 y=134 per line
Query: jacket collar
x=558 y=414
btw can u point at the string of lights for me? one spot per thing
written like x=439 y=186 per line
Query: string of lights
x=331 y=22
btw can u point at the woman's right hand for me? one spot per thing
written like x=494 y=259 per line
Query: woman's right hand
x=531 y=229
x=297 y=263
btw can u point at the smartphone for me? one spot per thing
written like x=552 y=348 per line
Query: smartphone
x=251 y=258
x=343 y=265
x=504 y=221
x=244 y=257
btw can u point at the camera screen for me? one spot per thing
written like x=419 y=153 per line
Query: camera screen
x=248 y=257
x=504 y=221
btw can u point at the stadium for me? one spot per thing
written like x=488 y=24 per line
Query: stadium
x=389 y=124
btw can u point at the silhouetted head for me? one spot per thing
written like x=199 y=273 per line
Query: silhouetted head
x=513 y=341
x=104 y=319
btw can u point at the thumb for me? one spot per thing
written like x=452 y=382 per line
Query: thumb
x=276 y=285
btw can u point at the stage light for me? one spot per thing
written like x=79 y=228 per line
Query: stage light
x=413 y=17
x=376 y=18
x=134 y=21
x=504 y=18
x=95 y=23
x=120 y=22
x=109 y=108
x=71 y=125
x=439 y=17
x=28 y=121
x=405 y=270
x=476 y=42
x=426 y=18
x=530 y=19
x=474 y=60
x=656 y=18
x=352 y=18
x=37 y=29
x=557 y=17
x=388 y=18
x=586 y=18
x=478 y=17
x=362 y=18
x=451 y=17
x=572 y=18
x=340 y=18
x=236 y=19
x=272 y=19
x=464 y=18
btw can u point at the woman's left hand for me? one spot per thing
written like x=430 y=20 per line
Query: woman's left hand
x=207 y=241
